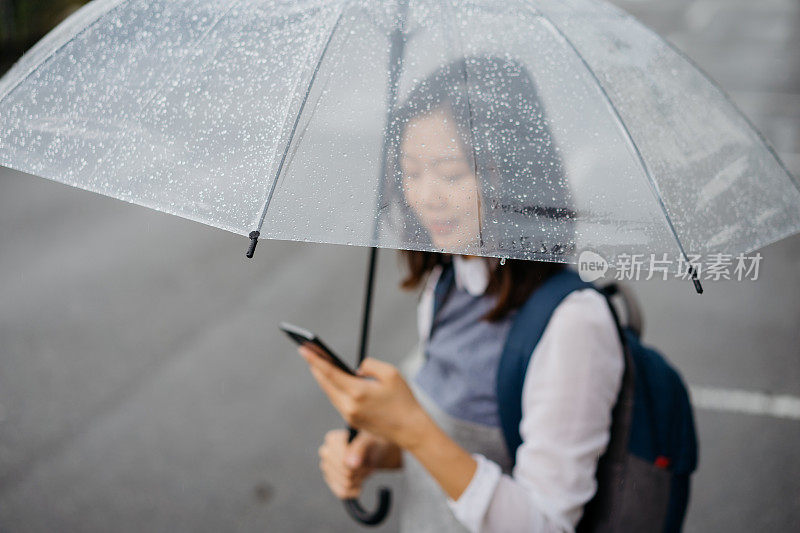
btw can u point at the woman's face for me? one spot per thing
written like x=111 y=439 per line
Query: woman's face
x=439 y=181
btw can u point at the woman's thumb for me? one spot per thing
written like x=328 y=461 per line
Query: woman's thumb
x=375 y=368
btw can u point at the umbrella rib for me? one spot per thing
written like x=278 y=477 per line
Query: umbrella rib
x=300 y=114
x=397 y=48
x=653 y=185
x=469 y=112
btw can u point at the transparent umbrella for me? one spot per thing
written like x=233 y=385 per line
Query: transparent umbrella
x=271 y=116
x=514 y=129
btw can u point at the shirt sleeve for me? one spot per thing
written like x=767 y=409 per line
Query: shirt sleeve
x=570 y=389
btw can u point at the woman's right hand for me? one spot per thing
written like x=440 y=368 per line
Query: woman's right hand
x=345 y=466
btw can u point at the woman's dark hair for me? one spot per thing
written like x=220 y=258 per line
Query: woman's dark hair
x=513 y=282
x=501 y=123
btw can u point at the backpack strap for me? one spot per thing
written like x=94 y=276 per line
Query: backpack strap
x=622 y=414
x=526 y=330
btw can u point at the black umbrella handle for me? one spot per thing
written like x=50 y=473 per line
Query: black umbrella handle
x=358 y=513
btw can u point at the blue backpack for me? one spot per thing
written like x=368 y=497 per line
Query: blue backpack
x=643 y=477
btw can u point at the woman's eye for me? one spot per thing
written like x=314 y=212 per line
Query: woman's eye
x=454 y=177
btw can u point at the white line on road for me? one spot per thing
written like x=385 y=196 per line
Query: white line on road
x=747 y=402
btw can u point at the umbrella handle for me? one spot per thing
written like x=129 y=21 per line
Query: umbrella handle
x=358 y=513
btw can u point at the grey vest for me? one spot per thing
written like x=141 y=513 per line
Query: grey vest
x=463 y=353
x=455 y=385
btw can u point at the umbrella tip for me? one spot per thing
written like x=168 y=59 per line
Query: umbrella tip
x=253 y=241
x=695 y=280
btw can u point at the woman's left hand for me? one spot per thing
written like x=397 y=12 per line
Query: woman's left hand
x=384 y=405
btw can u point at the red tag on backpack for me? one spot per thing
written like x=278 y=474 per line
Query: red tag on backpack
x=662 y=462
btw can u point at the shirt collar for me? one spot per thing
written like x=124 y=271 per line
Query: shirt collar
x=471 y=274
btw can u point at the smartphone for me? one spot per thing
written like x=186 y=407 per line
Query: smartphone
x=302 y=336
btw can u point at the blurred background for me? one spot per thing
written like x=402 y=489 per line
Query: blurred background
x=23 y=22
x=144 y=385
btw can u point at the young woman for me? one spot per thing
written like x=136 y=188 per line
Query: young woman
x=478 y=174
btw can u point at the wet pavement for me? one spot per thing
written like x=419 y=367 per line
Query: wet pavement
x=144 y=385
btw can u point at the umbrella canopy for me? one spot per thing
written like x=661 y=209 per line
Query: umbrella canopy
x=558 y=126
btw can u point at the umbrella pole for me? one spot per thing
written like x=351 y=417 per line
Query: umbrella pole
x=396 y=50
x=354 y=508
x=362 y=348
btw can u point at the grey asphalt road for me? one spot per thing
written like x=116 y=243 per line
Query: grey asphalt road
x=145 y=387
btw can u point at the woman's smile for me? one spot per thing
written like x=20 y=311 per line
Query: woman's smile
x=442 y=227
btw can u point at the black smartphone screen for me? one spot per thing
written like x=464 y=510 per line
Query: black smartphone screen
x=302 y=336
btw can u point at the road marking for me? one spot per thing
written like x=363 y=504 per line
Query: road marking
x=746 y=402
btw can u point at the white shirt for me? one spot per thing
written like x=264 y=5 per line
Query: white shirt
x=570 y=388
